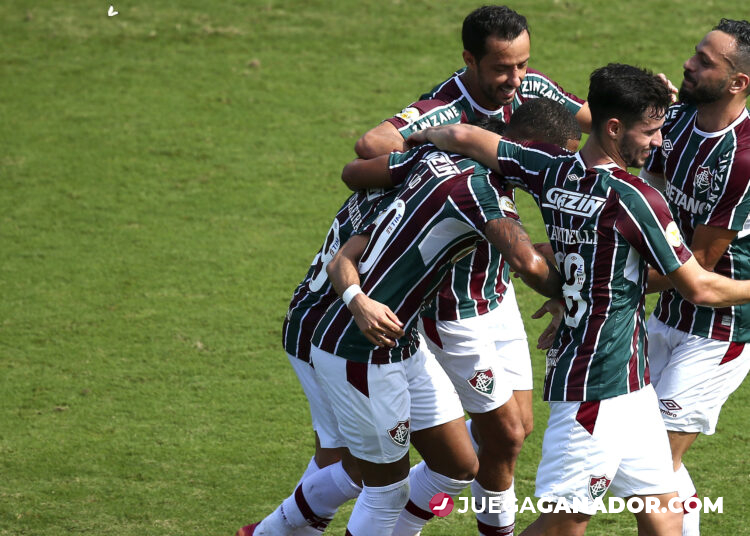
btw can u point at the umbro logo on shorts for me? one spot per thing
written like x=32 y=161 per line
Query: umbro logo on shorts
x=399 y=434
x=670 y=405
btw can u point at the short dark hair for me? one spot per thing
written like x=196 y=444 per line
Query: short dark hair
x=544 y=120
x=498 y=21
x=740 y=30
x=626 y=93
x=493 y=124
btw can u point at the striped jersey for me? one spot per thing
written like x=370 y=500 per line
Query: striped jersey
x=478 y=282
x=438 y=216
x=315 y=293
x=604 y=225
x=707 y=182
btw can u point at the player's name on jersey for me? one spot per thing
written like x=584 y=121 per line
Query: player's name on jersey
x=534 y=85
x=438 y=116
x=681 y=199
x=571 y=236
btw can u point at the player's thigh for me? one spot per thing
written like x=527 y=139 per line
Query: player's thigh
x=371 y=404
x=323 y=419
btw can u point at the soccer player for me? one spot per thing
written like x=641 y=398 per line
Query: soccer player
x=447 y=204
x=477 y=302
x=474 y=353
x=605 y=225
x=698 y=355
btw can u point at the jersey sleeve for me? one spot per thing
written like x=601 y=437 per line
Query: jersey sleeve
x=537 y=84
x=426 y=113
x=730 y=187
x=480 y=199
x=644 y=220
x=522 y=164
x=401 y=164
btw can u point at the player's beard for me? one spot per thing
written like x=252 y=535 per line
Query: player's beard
x=634 y=155
x=702 y=93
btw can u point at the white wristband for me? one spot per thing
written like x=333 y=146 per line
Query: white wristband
x=350 y=293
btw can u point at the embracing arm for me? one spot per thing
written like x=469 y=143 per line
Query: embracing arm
x=709 y=289
x=511 y=240
x=376 y=321
x=709 y=244
x=382 y=139
x=474 y=142
x=360 y=174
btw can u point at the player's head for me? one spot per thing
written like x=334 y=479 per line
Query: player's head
x=544 y=120
x=493 y=124
x=496 y=53
x=720 y=66
x=627 y=105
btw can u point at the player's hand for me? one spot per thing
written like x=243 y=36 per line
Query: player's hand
x=376 y=321
x=557 y=310
x=670 y=86
x=418 y=138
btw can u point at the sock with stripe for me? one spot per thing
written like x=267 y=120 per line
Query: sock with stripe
x=312 y=505
x=424 y=483
x=490 y=522
x=686 y=491
x=377 y=509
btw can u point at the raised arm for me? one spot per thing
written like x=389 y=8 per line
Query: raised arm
x=468 y=140
x=380 y=140
x=509 y=238
x=376 y=321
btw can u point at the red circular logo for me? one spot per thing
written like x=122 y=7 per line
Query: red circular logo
x=441 y=504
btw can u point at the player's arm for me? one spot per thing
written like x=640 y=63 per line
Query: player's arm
x=709 y=244
x=583 y=116
x=360 y=174
x=382 y=139
x=709 y=289
x=468 y=140
x=511 y=240
x=376 y=321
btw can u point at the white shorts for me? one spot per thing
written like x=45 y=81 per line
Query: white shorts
x=321 y=412
x=484 y=369
x=376 y=406
x=693 y=376
x=621 y=445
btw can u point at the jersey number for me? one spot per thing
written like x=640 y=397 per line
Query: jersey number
x=572 y=267
x=324 y=256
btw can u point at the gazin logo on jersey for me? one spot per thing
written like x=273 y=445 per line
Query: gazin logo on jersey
x=441 y=504
x=576 y=203
x=399 y=434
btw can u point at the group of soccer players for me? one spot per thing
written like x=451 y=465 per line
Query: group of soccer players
x=407 y=315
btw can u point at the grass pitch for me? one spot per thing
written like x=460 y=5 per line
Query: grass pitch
x=167 y=175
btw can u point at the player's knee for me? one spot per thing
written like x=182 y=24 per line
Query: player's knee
x=464 y=469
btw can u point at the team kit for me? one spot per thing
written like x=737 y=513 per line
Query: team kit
x=407 y=319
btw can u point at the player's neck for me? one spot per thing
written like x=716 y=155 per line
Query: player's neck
x=595 y=153
x=719 y=115
x=472 y=87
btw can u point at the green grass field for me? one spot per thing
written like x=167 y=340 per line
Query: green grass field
x=167 y=175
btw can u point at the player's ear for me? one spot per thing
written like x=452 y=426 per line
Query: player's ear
x=740 y=83
x=613 y=128
x=469 y=59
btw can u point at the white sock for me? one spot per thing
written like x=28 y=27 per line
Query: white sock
x=489 y=522
x=377 y=509
x=424 y=483
x=686 y=490
x=326 y=491
x=474 y=443
x=312 y=468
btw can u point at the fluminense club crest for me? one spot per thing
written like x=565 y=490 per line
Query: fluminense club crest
x=483 y=381
x=703 y=178
x=400 y=433
x=598 y=486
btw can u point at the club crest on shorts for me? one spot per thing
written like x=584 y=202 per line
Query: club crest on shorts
x=598 y=486
x=400 y=433
x=483 y=381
